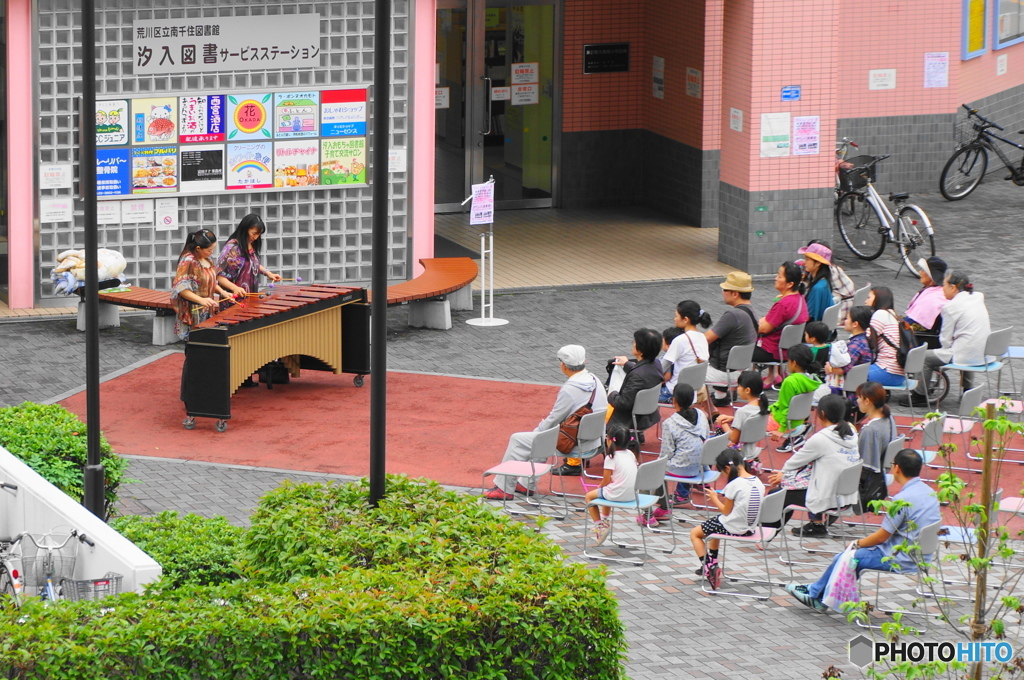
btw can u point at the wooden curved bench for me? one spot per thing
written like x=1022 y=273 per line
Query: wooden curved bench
x=445 y=284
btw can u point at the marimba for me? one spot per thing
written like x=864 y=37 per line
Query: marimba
x=326 y=327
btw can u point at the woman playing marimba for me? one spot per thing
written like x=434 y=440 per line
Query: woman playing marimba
x=239 y=261
x=197 y=281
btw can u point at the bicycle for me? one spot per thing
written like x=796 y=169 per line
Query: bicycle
x=48 y=563
x=865 y=222
x=966 y=167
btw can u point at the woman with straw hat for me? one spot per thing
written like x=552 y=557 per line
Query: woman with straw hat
x=818 y=265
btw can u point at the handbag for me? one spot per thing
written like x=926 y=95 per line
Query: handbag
x=693 y=349
x=568 y=431
x=842 y=582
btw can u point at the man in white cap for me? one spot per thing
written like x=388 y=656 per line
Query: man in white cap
x=577 y=391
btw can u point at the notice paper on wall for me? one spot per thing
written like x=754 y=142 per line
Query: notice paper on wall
x=441 y=98
x=108 y=212
x=774 y=134
x=166 y=214
x=525 y=94
x=694 y=83
x=501 y=94
x=736 y=119
x=58 y=209
x=806 y=135
x=882 y=79
x=658 y=78
x=936 y=69
x=138 y=211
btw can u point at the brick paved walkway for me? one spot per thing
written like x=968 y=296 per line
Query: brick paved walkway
x=674 y=630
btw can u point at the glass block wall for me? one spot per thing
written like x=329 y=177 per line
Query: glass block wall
x=321 y=235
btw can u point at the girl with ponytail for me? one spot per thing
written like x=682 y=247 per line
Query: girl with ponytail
x=879 y=429
x=682 y=441
x=750 y=390
x=197 y=281
x=687 y=349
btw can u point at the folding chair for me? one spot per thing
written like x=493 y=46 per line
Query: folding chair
x=912 y=372
x=860 y=296
x=591 y=429
x=848 y=484
x=541 y=450
x=648 y=476
x=963 y=425
x=792 y=335
x=709 y=475
x=769 y=512
x=855 y=377
x=997 y=344
x=955 y=533
x=741 y=358
x=645 y=403
x=695 y=376
x=754 y=430
x=830 y=317
x=928 y=542
x=799 y=410
x=894 y=447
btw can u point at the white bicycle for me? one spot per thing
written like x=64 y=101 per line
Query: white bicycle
x=866 y=223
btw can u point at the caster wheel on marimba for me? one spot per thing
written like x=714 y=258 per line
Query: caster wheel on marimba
x=357 y=381
x=222 y=426
x=189 y=423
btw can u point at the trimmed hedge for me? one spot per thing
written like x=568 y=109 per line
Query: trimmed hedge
x=52 y=441
x=431 y=584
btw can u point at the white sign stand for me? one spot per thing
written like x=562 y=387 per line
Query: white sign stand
x=482 y=212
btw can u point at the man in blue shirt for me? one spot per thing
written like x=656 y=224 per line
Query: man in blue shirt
x=904 y=526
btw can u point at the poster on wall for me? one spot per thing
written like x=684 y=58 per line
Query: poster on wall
x=155 y=121
x=774 y=134
x=108 y=212
x=343 y=161
x=113 y=172
x=882 y=79
x=296 y=164
x=139 y=211
x=523 y=95
x=202 y=168
x=248 y=166
x=155 y=170
x=806 y=135
x=296 y=114
x=111 y=119
x=936 y=69
x=201 y=118
x=694 y=83
x=249 y=117
x=343 y=113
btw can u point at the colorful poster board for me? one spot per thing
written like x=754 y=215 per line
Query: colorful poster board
x=155 y=121
x=111 y=119
x=113 y=172
x=201 y=118
x=343 y=113
x=249 y=117
x=248 y=166
x=155 y=170
x=202 y=168
x=296 y=164
x=296 y=114
x=343 y=161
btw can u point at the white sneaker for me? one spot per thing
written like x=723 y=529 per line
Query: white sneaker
x=601 y=531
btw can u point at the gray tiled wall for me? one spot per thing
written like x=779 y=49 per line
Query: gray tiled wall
x=672 y=174
x=601 y=168
x=919 y=145
x=791 y=219
x=321 y=235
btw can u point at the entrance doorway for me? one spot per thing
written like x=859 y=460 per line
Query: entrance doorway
x=497 y=103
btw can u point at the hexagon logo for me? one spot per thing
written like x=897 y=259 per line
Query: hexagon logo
x=862 y=651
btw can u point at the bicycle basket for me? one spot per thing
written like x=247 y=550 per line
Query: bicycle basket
x=963 y=130
x=851 y=173
x=93 y=589
x=50 y=556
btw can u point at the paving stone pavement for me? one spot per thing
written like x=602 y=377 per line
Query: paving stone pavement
x=674 y=630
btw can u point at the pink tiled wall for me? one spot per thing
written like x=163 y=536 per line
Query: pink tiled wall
x=674 y=32
x=978 y=76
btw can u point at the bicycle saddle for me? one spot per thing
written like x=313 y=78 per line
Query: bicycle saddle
x=898 y=197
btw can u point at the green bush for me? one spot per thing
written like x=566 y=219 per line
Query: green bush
x=192 y=550
x=52 y=441
x=431 y=584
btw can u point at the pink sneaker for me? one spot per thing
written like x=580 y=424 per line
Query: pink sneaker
x=646 y=521
x=661 y=513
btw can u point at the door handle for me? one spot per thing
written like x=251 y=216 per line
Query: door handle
x=489 y=119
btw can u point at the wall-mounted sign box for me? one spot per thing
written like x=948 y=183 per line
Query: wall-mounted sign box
x=606 y=58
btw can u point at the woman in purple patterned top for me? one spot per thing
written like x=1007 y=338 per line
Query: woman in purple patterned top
x=239 y=261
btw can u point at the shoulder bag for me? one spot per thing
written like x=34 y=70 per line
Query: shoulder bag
x=568 y=431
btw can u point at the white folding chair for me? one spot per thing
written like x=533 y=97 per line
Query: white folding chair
x=695 y=376
x=591 y=429
x=928 y=542
x=648 y=476
x=912 y=372
x=894 y=447
x=830 y=317
x=860 y=296
x=799 y=411
x=847 y=484
x=792 y=335
x=997 y=344
x=754 y=430
x=770 y=511
x=708 y=475
x=855 y=377
x=741 y=358
x=536 y=466
x=963 y=425
x=644 y=404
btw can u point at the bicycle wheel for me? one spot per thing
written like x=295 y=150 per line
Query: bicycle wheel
x=860 y=226
x=8 y=594
x=938 y=387
x=914 y=237
x=963 y=172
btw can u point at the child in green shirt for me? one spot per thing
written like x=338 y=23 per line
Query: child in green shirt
x=802 y=368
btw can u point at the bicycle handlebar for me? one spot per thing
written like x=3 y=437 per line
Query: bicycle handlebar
x=88 y=541
x=983 y=119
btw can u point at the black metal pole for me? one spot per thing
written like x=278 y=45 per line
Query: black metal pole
x=94 y=477
x=379 y=268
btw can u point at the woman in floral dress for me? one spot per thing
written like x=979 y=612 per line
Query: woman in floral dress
x=197 y=282
x=239 y=261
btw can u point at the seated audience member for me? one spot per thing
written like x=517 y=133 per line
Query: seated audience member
x=818 y=265
x=788 y=309
x=579 y=388
x=619 y=483
x=876 y=434
x=884 y=338
x=903 y=527
x=736 y=327
x=924 y=311
x=642 y=373
x=687 y=349
x=802 y=369
x=858 y=350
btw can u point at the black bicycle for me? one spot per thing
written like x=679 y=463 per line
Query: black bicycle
x=966 y=168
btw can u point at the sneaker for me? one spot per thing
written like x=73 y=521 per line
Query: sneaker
x=646 y=520
x=523 y=490
x=720 y=401
x=712 y=573
x=755 y=466
x=661 y=513
x=799 y=591
x=601 y=531
x=497 y=494
x=567 y=470
x=791 y=444
x=810 y=529
x=681 y=501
